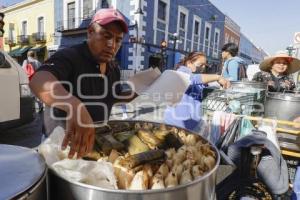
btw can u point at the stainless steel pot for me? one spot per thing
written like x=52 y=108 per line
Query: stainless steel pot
x=247 y=84
x=256 y=93
x=283 y=106
x=23 y=174
x=201 y=188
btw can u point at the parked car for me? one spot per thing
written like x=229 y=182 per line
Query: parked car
x=16 y=100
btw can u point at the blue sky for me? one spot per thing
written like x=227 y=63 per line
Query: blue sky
x=270 y=24
x=8 y=2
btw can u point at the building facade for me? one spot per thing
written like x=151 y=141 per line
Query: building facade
x=73 y=17
x=231 y=31
x=249 y=51
x=258 y=54
x=29 y=25
x=185 y=26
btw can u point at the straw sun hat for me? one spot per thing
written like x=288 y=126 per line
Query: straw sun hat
x=293 y=66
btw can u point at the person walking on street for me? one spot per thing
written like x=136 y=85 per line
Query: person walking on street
x=89 y=76
x=31 y=64
x=234 y=68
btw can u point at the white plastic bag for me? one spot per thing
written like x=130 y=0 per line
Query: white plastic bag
x=51 y=147
x=100 y=174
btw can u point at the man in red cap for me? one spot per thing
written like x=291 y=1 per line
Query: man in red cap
x=78 y=82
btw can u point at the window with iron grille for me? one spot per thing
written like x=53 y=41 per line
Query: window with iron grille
x=162 y=6
x=11 y=27
x=104 y=4
x=24 y=28
x=216 y=38
x=207 y=32
x=40 y=31
x=196 y=30
x=182 y=21
x=71 y=15
x=40 y=24
x=87 y=8
x=216 y=42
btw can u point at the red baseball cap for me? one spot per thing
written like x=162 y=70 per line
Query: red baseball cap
x=105 y=16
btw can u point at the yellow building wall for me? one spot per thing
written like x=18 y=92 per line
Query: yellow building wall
x=30 y=11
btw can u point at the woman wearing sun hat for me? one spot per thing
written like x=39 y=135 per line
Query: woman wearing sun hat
x=276 y=70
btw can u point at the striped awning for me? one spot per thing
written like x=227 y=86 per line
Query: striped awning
x=38 y=48
x=19 y=51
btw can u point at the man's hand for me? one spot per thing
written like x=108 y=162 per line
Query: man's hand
x=224 y=82
x=80 y=132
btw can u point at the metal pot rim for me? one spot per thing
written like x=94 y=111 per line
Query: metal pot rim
x=249 y=83
x=150 y=191
x=283 y=96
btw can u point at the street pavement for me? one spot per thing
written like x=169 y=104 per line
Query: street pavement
x=30 y=135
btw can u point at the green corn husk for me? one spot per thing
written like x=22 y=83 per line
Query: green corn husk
x=136 y=145
x=123 y=136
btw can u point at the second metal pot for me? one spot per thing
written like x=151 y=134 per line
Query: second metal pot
x=283 y=106
x=249 y=84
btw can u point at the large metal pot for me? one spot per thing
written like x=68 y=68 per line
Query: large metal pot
x=283 y=106
x=256 y=93
x=201 y=188
x=243 y=97
x=23 y=174
x=247 y=84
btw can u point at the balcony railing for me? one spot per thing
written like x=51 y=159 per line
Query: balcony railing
x=72 y=24
x=23 y=39
x=39 y=36
x=10 y=41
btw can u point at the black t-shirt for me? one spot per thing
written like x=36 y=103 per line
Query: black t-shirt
x=77 y=67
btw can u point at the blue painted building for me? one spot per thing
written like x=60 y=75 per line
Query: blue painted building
x=245 y=49
x=249 y=51
x=185 y=25
x=197 y=26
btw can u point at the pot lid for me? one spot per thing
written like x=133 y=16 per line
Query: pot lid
x=20 y=169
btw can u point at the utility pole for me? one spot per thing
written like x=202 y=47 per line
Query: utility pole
x=297 y=47
x=138 y=18
x=290 y=50
x=1 y=30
